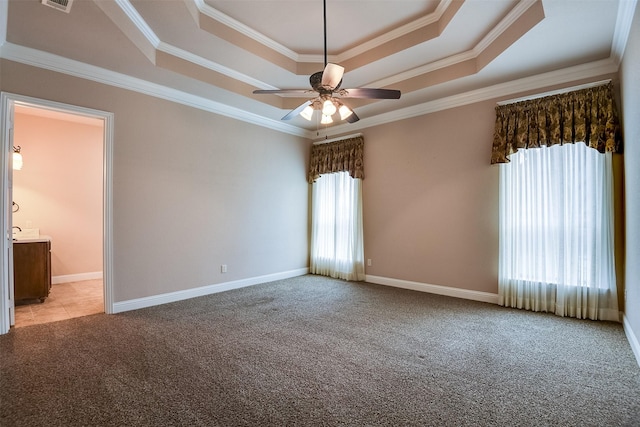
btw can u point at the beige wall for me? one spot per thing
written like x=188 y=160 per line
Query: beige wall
x=191 y=190
x=630 y=84
x=431 y=199
x=59 y=189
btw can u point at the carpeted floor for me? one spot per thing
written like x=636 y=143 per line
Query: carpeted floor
x=316 y=351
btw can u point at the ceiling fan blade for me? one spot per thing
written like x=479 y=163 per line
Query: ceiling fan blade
x=285 y=92
x=332 y=76
x=297 y=111
x=364 y=92
x=353 y=117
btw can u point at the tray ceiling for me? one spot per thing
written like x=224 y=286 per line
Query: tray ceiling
x=218 y=52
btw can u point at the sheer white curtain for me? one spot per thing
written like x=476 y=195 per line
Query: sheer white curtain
x=337 y=248
x=556 y=232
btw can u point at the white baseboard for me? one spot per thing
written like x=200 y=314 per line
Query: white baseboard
x=435 y=289
x=135 y=304
x=76 y=277
x=632 y=338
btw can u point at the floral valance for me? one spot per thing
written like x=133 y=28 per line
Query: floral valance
x=587 y=115
x=346 y=155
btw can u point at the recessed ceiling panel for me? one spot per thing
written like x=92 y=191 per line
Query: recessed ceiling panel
x=298 y=25
x=222 y=50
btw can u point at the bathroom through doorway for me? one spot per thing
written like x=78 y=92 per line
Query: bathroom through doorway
x=62 y=195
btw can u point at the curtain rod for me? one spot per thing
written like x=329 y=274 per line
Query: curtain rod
x=338 y=138
x=555 y=92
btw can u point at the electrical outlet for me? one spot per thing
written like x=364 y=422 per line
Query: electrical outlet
x=223 y=268
x=369 y=262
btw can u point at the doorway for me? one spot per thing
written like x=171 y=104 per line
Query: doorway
x=65 y=283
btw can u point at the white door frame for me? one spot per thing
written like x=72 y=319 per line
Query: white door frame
x=7 y=103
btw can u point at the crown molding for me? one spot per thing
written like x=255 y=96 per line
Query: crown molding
x=211 y=65
x=626 y=10
x=4 y=15
x=564 y=76
x=622 y=29
x=160 y=45
x=212 y=13
x=74 y=68
x=224 y=19
x=519 y=10
x=319 y=59
x=395 y=33
x=425 y=69
x=89 y=72
x=514 y=14
x=139 y=22
x=472 y=54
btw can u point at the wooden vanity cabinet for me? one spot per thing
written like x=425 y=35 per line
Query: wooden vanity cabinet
x=32 y=270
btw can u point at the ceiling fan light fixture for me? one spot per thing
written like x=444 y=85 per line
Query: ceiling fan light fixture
x=344 y=112
x=326 y=83
x=307 y=113
x=328 y=108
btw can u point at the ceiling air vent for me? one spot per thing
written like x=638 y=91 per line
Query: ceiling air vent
x=63 y=5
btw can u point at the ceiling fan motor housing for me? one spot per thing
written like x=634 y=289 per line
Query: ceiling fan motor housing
x=331 y=76
x=315 y=80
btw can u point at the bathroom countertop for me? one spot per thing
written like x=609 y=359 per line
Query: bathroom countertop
x=41 y=238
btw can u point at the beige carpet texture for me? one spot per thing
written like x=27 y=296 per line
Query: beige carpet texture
x=314 y=351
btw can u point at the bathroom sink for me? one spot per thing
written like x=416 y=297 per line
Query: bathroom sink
x=26 y=234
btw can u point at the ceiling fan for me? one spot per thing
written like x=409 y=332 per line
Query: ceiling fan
x=327 y=84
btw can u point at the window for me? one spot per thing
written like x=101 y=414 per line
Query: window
x=556 y=232
x=336 y=236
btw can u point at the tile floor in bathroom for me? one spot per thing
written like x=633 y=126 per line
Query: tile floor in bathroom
x=66 y=300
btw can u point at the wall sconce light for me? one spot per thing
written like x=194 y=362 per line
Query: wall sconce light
x=17 y=158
